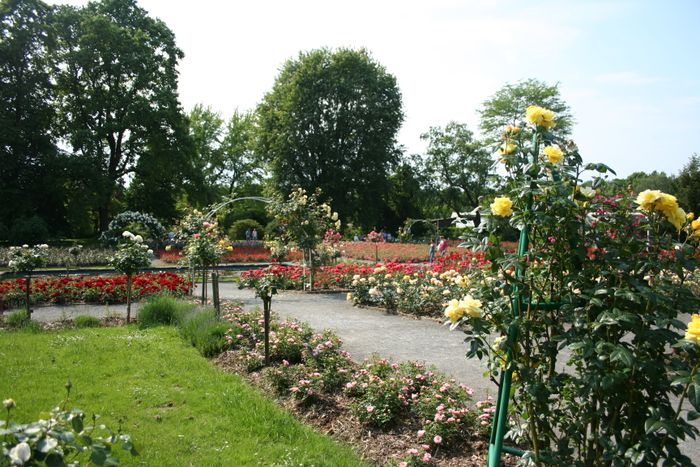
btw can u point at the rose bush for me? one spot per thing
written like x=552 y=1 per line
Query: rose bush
x=587 y=313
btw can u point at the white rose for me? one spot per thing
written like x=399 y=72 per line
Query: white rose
x=25 y=246
x=127 y=234
x=43 y=246
x=20 y=454
x=150 y=252
x=138 y=239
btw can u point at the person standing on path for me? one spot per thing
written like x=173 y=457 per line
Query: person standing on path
x=442 y=246
x=255 y=235
x=431 y=251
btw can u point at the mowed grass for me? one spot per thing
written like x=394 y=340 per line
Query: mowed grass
x=177 y=406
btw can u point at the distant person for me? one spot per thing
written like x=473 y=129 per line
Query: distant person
x=255 y=234
x=442 y=246
x=431 y=251
x=247 y=235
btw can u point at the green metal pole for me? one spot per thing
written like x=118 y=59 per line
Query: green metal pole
x=500 y=420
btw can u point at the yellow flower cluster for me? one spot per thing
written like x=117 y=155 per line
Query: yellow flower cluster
x=540 y=116
x=695 y=225
x=512 y=130
x=554 y=154
x=468 y=306
x=655 y=200
x=502 y=206
x=507 y=148
x=693 y=332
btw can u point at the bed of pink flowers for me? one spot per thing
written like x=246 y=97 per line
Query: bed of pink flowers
x=311 y=367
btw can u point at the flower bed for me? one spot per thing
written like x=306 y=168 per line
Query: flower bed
x=239 y=254
x=90 y=289
x=416 y=416
x=68 y=257
x=410 y=288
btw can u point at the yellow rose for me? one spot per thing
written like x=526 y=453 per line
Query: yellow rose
x=229 y=248
x=676 y=217
x=502 y=206
x=693 y=332
x=507 y=148
x=695 y=225
x=454 y=311
x=691 y=216
x=513 y=130
x=647 y=198
x=349 y=296
x=554 y=154
x=666 y=203
x=471 y=306
x=540 y=117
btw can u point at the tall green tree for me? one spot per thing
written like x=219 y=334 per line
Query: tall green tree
x=688 y=185
x=239 y=163
x=456 y=166
x=117 y=87
x=206 y=130
x=31 y=169
x=508 y=105
x=330 y=122
x=404 y=199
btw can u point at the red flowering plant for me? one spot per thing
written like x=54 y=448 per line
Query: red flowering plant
x=303 y=222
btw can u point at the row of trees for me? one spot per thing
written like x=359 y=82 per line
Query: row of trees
x=91 y=125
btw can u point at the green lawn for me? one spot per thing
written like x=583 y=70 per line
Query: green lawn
x=178 y=407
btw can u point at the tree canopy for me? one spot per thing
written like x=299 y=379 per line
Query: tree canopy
x=456 y=166
x=330 y=122
x=117 y=87
x=508 y=105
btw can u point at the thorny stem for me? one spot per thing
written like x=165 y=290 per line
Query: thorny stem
x=685 y=389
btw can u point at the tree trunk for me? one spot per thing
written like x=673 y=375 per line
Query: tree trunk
x=128 y=298
x=204 y=285
x=311 y=270
x=28 y=296
x=267 y=304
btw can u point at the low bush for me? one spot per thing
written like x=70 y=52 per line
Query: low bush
x=17 y=319
x=205 y=332
x=86 y=321
x=238 y=229
x=163 y=310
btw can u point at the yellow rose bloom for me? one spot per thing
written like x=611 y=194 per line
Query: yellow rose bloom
x=502 y=206
x=512 y=130
x=454 y=311
x=691 y=216
x=554 y=154
x=540 y=116
x=676 y=217
x=647 y=198
x=695 y=225
x=693 y=332
x=349 y=296
x=471 y=306
x=666 y=203
x=507 y=148
x=229 y=248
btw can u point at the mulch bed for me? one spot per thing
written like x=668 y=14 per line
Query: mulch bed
x=331 y=415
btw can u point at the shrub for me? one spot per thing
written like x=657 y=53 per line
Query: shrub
x=238 y=228
x=86 y=321
x=17 y=319
x=29 y=230
x=205 y=332
x=60 y=438
x=163 y=309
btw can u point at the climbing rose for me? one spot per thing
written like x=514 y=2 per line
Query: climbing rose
x=502 y=206
x=554 y=154
x=540 y=117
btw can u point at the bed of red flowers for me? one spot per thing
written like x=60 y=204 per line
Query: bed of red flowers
x=341 y=276
x=89 y=289
x=240 y=254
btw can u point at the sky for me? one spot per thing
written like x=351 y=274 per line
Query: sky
x=629 y=70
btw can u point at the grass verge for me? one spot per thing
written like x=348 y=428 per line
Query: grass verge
x=178 y=408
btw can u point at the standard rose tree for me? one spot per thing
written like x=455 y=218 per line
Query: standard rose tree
x=132 y=256
x=26 y=260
